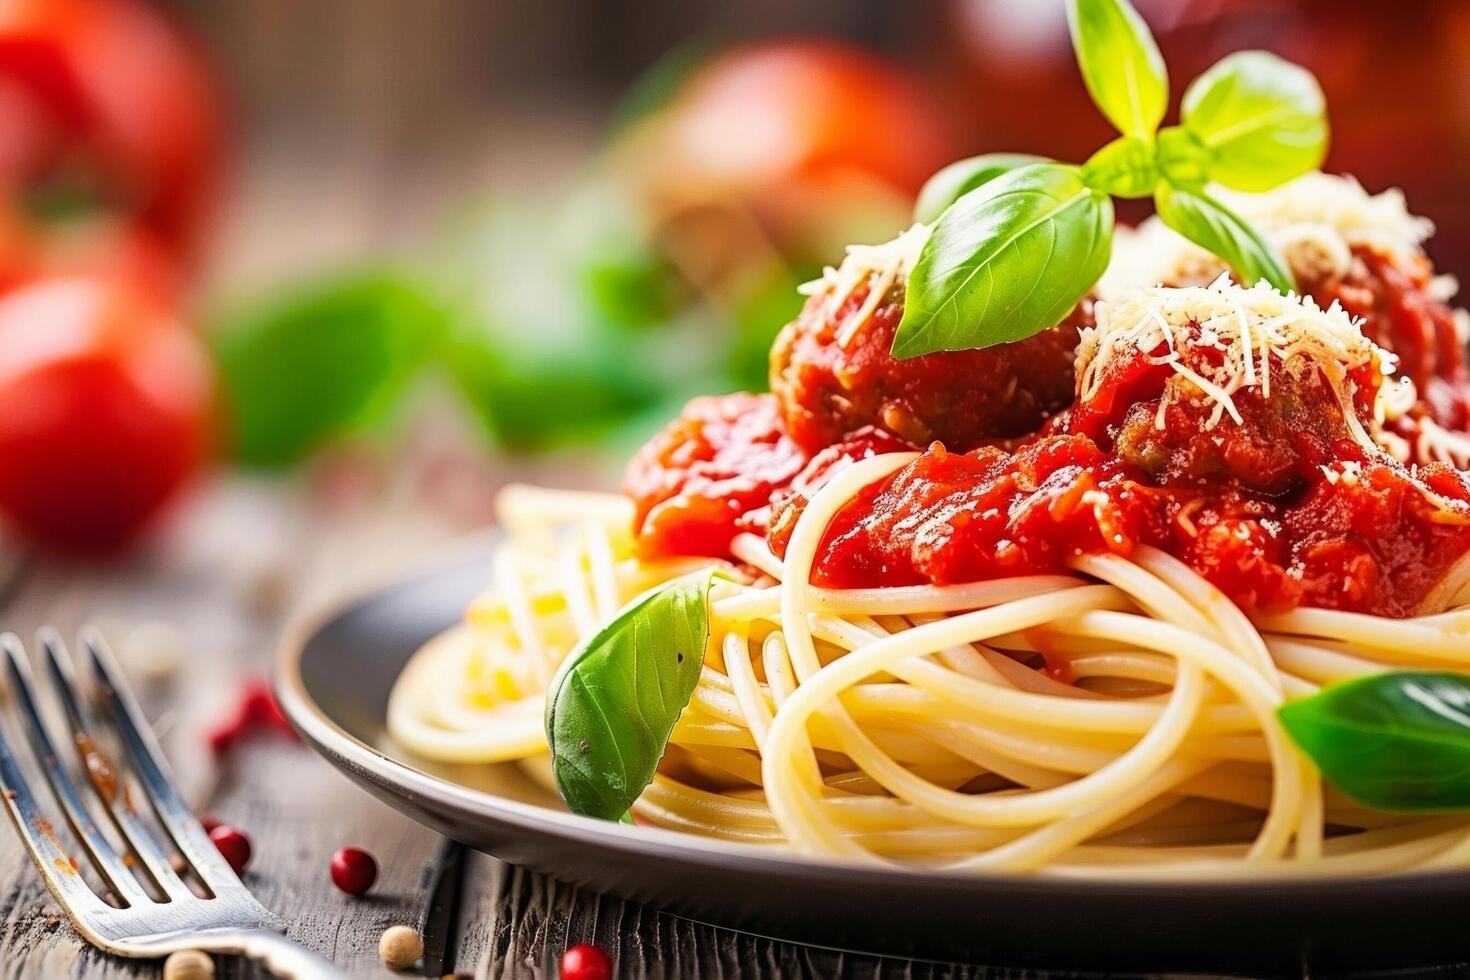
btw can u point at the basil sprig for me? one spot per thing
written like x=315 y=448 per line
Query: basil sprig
x=1007 y=260
x=1397 y=742
x=616 y=698
x=1042 y=214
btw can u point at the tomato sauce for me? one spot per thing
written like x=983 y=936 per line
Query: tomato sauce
x=1399 y=312
x=694 y=481
x=1282 y=508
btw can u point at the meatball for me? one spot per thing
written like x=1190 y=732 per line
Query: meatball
x=831 y=384
x=1279 y=445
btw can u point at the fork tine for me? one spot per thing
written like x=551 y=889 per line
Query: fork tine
x=120 y=806
x=61 y=878
x=111 y=867
x=158 y=782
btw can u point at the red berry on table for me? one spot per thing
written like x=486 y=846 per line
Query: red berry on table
x=585 y=962
x=354 y=870
x=233 y=844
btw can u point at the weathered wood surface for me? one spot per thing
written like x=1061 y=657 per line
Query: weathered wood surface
x=205 y=600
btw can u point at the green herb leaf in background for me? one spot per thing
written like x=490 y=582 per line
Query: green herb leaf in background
x=1006 y=261
x=1263 y=119
x=962 y=177
x=616 y=698
x=1123 y=168
x=319 y=360
x=1397 y=742
x=1120 y=63
x=538 y=396
x=1211 y=225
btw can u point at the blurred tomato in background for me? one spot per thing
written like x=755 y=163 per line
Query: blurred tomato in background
x=107 y=398
x=1396 y=75
x=110 y=156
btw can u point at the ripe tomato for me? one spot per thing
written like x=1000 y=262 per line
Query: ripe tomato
x=106 y=414
x=825 y=142
x=105 y=104
x=809 y=109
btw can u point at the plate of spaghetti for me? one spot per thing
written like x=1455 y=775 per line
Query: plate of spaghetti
x=1075 y=589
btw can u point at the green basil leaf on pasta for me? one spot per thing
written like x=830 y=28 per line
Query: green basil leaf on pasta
x=616 y=698
x=963 y=176
x=1123 y=168
x=1263 y=119
x=1120 y=63
x=1211 y=225
x=1398 y=742
x=1007 y=260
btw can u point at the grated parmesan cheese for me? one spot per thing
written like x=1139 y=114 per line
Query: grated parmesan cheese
x=1315 y=221
x=885 y=263
x=1248 y=326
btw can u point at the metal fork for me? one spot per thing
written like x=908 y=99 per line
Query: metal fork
x=134 y=921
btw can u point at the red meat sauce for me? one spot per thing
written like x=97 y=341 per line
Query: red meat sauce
x=1370 y=540
x=1251 y=506
x=1393 y=298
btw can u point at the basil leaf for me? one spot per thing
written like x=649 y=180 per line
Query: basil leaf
x=616 y=698
x=963 y=176
x=1182 y=159
x=1211 y=225
x=1397 y=741
x=1007 y=260
x=1123 y=168
x=1263 y=118
x=320 y=359
x=1120 y=63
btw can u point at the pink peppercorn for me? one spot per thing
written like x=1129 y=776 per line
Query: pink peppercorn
x=233 y=844
x=354 y=870
x=585 y=962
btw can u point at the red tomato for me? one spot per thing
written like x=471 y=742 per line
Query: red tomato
x=106 y=411
x=108 y=99
x=826 y=143
x=807 y=109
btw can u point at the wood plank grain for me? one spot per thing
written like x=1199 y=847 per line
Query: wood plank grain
x=193 y=594
x=535 y=918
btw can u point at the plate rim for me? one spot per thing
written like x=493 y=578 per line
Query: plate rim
x=362 y=760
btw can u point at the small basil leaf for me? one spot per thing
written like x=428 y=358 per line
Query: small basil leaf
x=1006 y=261
x=1123 y=168
x=1398 y=742
x=1263 y=119
x=963 y=176
x=1211 y=225
x=616 y=698
x=1120 y=63
x=1182 y=159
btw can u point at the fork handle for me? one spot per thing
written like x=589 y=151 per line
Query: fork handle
x=272 y=950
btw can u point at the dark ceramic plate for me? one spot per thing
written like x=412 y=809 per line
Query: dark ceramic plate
x=333 y=681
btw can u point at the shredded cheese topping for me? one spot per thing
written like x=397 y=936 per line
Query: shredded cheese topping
x=1315 y=221
x=885 y=263
x=1248 y=327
